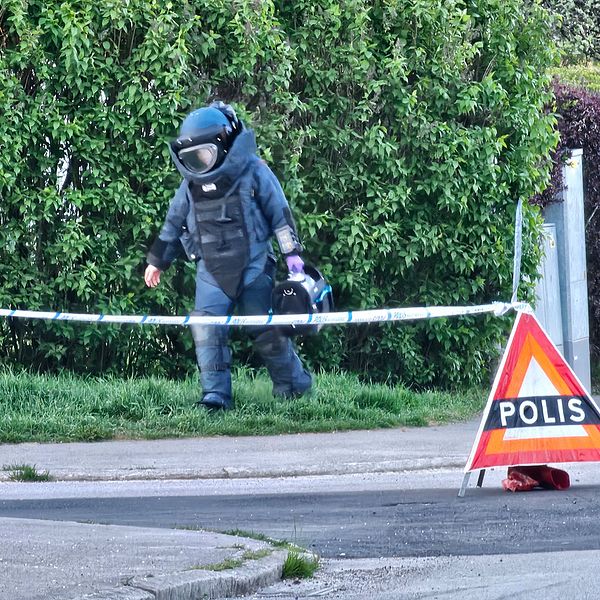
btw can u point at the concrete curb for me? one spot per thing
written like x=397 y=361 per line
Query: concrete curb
x=294 y=455
x=398 y=466
x=200 y=583
x=120 y=593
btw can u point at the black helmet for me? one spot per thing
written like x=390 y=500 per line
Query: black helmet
x=302 y=293
x=205 y=137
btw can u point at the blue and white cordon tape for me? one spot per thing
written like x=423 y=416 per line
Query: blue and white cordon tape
x=332 y=318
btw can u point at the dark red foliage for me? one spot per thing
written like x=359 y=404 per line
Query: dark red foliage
x=579 y=126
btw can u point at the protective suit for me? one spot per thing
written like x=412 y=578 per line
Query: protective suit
x=226 y=211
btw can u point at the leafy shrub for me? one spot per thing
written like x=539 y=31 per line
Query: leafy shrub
x=404 y=131
x=576 y=28
x=90 y=92
x=419 y=126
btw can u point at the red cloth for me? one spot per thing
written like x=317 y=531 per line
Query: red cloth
x=518 y=482
x=525 y=478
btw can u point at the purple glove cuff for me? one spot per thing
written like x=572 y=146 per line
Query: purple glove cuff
x=294 y=263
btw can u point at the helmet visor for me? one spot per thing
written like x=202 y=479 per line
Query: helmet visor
x=200 y=158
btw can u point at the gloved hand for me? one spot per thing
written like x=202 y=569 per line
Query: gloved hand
x=294 y=264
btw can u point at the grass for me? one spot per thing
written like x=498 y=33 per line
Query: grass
x=224 y=565
x=256 y=554
x=265 y=538
x=63 y=408
x=298 y=566
x=299 y=563
x=586 y=76
x=26 y=473
x=234 y=563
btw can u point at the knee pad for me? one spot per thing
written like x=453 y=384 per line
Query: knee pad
x=209 y=335
x=212 y=350
x=271 y=343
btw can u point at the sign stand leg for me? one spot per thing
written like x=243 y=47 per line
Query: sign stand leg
x=480 y=478
x=463 y=487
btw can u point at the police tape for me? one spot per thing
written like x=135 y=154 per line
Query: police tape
x=332 y=318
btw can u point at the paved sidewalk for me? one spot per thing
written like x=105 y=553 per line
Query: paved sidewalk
x=378 y=451
x=50 y=560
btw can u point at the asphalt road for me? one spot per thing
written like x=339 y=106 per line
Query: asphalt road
x=350 y=498
x=360 y=524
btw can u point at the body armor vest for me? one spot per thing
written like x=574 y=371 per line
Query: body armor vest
x=222 y=236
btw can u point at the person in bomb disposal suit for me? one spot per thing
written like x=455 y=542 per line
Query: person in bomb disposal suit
x=224 y=215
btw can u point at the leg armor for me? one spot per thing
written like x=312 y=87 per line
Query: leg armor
x=289 y=377
x=214 y=361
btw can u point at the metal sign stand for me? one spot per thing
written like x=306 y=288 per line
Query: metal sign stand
x=465 y=483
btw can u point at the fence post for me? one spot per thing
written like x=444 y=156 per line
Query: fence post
x=568 y=218
x=547 y=290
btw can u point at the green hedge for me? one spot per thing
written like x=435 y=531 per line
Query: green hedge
x=576 y=28
x=404 y=132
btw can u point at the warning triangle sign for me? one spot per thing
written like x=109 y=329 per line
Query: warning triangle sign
x=538 y=411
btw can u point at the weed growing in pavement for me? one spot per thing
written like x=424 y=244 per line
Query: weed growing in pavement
x=253 y=535
x=299 y=566
x=26 y=473
x=265 y=538
x=224 y=565
x=256 y=554
x=233 y=563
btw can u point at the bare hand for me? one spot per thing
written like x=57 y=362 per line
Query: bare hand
x=152 y=276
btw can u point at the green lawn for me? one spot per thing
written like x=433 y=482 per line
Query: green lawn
x=70 y=408
x=586 y=76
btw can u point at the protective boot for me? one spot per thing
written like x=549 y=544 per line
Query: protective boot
x=289 y=378
x=214 y=361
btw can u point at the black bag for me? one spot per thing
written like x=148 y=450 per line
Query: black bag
x=300 y=294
